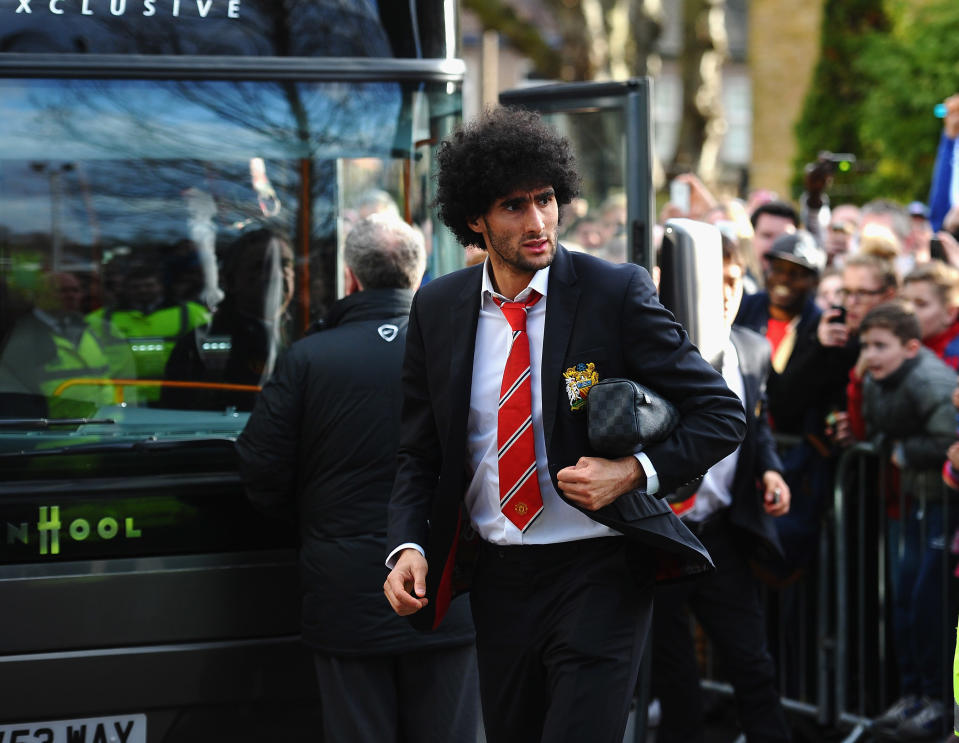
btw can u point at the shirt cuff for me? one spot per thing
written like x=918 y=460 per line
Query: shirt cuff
x=652 y=478
x=395 y=554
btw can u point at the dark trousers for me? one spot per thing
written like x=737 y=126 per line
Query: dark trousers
x=560 y=631
x=425 y=695
x=810 y=479
x=917 y=567
x=726 y=603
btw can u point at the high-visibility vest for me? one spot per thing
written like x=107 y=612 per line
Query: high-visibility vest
x=37 y=359
x=84 y=360
x=138 y=344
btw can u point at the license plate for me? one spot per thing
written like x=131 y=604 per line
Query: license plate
x=122 y=729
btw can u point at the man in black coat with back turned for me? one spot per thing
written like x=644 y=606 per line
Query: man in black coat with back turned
x=732 y=514
x=323 y=437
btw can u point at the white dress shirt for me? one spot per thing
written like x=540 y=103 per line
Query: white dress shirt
x=559 y=521
x=716 y=490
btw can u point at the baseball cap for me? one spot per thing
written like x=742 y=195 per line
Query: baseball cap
x=799 y=247
x=917 y=209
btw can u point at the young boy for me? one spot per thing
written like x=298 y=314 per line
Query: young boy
x=908 y=413
x=933 y=290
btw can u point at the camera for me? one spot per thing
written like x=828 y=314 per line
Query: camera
x=839 y=319
x=833 y=161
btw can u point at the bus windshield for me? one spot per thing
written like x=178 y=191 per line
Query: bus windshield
x=163 y=241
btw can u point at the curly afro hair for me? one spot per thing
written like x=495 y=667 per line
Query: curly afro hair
x=502 y=150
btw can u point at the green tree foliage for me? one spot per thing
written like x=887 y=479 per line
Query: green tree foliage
x=882 y=69
x=521 y=33
x=908 y=71
x=587 y=39
x=832 y=110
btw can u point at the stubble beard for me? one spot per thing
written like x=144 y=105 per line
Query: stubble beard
x=513 y=255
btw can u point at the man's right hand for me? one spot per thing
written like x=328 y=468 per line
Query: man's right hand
x=405 y=586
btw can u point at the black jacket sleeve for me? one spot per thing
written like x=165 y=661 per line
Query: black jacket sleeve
x=419 y=450
x=658 y=353
x=267 y=448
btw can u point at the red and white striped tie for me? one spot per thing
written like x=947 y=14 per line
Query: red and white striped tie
x=519 y=496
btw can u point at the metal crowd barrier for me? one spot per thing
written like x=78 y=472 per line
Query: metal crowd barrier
x=866 y=675
x=800 y=634
x=831 y=636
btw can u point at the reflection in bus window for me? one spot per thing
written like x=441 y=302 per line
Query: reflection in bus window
x=239 y=346
x=596 y=221
x=46 y=342
x=138 y=328
x=162 y=242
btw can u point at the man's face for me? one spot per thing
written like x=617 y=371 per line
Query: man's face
x=838 y=239
x=861 y=291
x=934 y=317
x=789 y=284
x=768 y=228
x=883 y=352
x=264 y=279
x=827 y=291
x=69 y=291
x=519 y=230
x=145 y=292
x=919 y=233
x=842 y=226
x=589 y=234
x=732 y=290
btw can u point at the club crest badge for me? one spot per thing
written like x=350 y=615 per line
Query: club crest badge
x=579 y=379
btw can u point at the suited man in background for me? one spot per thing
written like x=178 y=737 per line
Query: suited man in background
x=321 y=442
x=731 y=514
x=500 y=358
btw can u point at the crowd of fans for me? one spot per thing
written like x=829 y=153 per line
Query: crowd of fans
x=860 y=307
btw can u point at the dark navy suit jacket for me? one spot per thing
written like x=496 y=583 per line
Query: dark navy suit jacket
x=596 y=312
x=758 y=452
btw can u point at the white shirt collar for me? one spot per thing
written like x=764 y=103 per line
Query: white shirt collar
x=538 y=282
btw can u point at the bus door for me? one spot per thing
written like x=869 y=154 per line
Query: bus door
x=608 y=125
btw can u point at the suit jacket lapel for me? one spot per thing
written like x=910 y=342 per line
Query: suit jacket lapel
x=562 y=297
x=748 y=369
x=464 y=315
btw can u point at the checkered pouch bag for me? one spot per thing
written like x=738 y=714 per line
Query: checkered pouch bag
x=623 y=415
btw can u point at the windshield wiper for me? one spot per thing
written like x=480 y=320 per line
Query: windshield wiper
x=151 y=444
x=51 y=422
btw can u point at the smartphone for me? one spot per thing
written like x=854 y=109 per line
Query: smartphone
x=839 y=319
x=679 y=195
x=936 y=251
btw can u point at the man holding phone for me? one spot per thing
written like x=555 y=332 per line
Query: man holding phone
x=787 y=314
x=866 y=282
x=733 y=519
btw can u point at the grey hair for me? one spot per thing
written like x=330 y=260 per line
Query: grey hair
x=896 y=212
x=376 y=200
x=384 y=252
